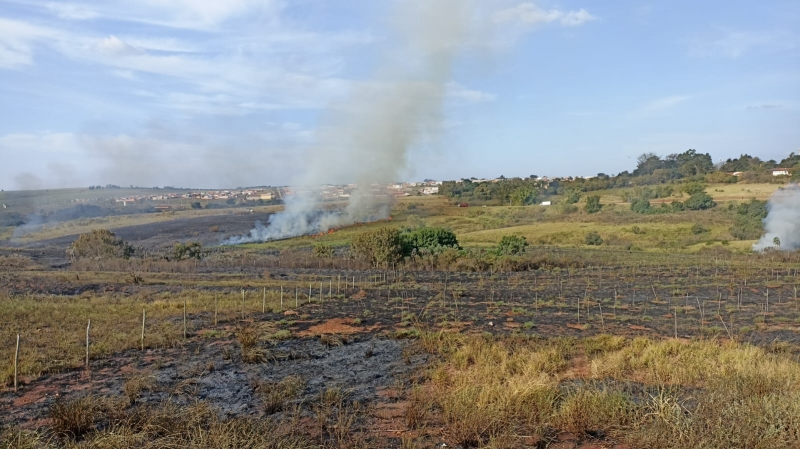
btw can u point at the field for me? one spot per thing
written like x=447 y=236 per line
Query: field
x=660 y=337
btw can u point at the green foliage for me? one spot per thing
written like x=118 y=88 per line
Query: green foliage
x=700 y=201
x=640 y=206
x=99 y=244
x=698 y=229
x=593 y=204
x=572 y=197
x=323 y=251
x=593 y=238
x=432 y=239
x=748 y=220
x=694 y=188
x=512 y=244
x=191 y=250
x=523 y=196
x=378 y=246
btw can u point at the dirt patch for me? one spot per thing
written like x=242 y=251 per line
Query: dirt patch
x=342 y=326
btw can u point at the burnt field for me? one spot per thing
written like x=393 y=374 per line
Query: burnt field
x=276 y=338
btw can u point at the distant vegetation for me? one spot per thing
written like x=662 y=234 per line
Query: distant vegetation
x=100 y=244
x=651 y=170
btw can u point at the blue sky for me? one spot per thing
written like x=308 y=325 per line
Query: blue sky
x=204 y=93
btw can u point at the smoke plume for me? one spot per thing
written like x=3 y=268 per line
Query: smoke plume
x=783 y=221
x=366 y=141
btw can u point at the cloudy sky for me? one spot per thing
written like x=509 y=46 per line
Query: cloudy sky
x=208 y=93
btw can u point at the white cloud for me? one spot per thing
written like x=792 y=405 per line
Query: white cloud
x=531 y=14
x=462 y=94
x=735 y=44
x=664 y=103
x=17 y=40
x=114 y=46
x=72 y=11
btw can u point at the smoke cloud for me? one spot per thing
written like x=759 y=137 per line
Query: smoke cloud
x=367 y=140
x=783 y=220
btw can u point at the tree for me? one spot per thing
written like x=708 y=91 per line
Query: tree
x=593 y=204
x=378 y=246
x=191 y=250
x=593 y=238
x=197 y=205
x=230 y=201
x=523 y=196
x=512 y=244
x=323 y=251
x=99 y=244
x=700 y=201
x=434 y=239
x=777 y=242
x=640 y=205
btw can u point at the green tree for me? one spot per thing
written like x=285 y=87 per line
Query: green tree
x=434 y=239
x=512 y=244
x=700 y=201
x=191 y=250
x=99 y=244
x=640 y=206
x=197 y=205
x=593 y=204
x=523 y=196
x=378 y=246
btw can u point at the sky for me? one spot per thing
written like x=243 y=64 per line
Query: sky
x=212 y=94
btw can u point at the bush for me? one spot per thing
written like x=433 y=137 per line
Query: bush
x=694 y=188
x=433 y=239
x=191 y=250
x=593 y=204
x=698 y=229
x=197 y=205
x=512 y=244
x=594 y=239
x=700 y=201
x=378 y=246
x=99 y=244
x=640 y=206
x=323 y=251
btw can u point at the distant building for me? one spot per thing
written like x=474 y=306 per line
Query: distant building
x=430 y=190
x=781 y=172
x=546 y=203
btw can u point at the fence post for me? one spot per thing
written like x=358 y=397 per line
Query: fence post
x=281 y=297
x=144 y=314
x=16 y=362
x=184 y=318
x=88 y=326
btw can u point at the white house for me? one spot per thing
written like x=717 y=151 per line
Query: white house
x=781 y=172
x=546 y=203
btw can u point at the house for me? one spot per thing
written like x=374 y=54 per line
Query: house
x=430 y=190
x=546 y=203
x=781 y=172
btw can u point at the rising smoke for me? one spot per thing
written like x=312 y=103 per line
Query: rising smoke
x=783 y=221
x=367 y=140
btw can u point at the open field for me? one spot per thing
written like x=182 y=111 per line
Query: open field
x=650 y=340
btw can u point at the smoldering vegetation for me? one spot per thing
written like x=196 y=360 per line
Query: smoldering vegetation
x=782 y=224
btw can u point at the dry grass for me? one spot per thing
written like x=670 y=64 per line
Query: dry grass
x=695 y=394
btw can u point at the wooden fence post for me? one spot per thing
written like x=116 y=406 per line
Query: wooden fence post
x=184 y=318
x=16 y=363
x=144 y=314
x=88 y=326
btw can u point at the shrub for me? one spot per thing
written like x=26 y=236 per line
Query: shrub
x=197 y=205
x=593 y=204
x=594 y=239
x=99 y=244
x=698 y=229
x=700 y=201
x=512 y=244
x=433 y=239
x=640 y=206
x=378 y=246
x=191 y=250
x=323 y=251
x=694 y=188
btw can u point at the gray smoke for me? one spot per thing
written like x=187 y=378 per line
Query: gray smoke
x=366 y=141
x=783 y=220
